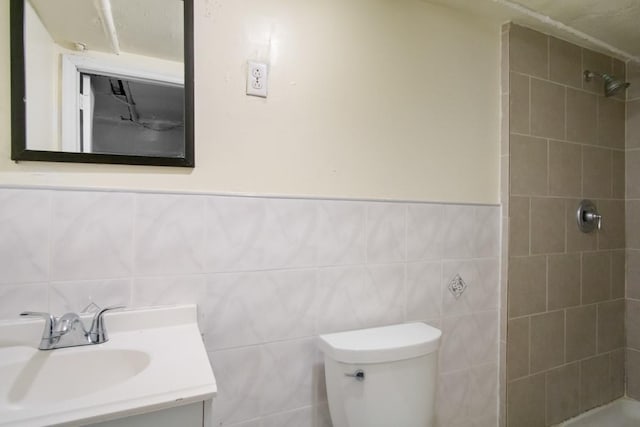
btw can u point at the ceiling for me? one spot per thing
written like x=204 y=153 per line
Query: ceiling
x=143 y=27
x=609 y=26
x=155 y=27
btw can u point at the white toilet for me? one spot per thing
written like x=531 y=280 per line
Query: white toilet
x=382 y=377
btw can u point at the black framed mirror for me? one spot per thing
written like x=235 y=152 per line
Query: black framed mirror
x=113 y=84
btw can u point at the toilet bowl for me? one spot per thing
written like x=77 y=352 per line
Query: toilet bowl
x=382 y=377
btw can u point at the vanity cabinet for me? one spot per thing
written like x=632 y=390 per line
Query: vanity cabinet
x=191 y=415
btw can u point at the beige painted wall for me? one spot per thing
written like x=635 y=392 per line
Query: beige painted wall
x=368 y=99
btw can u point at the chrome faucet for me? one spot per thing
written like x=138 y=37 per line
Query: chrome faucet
x=69 y=331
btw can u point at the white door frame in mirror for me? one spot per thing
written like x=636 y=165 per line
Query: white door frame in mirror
x=73 y=100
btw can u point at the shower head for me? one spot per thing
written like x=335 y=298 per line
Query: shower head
x=611 y=84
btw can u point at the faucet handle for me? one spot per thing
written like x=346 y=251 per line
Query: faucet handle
x=92 y=307
x=97 y=332
x=49 y=321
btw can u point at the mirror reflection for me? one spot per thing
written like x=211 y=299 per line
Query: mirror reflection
x=105 y=76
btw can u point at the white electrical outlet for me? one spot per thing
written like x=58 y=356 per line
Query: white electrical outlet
x=257 y=79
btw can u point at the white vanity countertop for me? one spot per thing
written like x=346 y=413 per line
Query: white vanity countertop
x=155 y=359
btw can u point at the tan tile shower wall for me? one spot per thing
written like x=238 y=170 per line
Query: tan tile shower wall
x=633 y=231
x=565 y=333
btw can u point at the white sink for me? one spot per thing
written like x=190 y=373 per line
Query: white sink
x=155 y=359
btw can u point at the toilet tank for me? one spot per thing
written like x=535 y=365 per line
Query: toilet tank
x=382 y=377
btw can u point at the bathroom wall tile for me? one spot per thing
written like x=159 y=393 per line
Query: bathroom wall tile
x=467 y=397
x=595 y=61
x=547 y=341
x=595 y=384
x=576 y=239
x=386 y=232
x=565 y=62
x=292 y=233
x=519 y=226
x=547 y=225
x=632 y=219
x=91 y=235
x=582 y=116
x=482 y=406
x=617 y=372
x=547 y=109
x=596 y=172
x=67 y=297
x=633 y=274
x=425 y=234
x=528 y=51
x=580 y=332
x=633 y=122
x=169 y=237
x=256 y=234
x=257 y=422
x=453 y=394
x=632 y=316
x=303 y=417
x=481 y=294
x=527 y=285
x=565 y=169
x=320 y=386
x=611 y=122
x=288 y=372
x=611 y=325
x=596 y=277
x=619 y=170
x=341 y=237
x=633 y=373
x=526 y=401
x=168 y=290
x=359 y=297
x=563 y=393
x=23 y=297
x=519 y=104
x=563 y=281
x=241 y=385
x=618 y=274
x=528 y=165
x=611 y=236
x=458 y=231
x=24 y=235
x=424 y=290
x=486 y=235
x=252 y=308
x=518 y=348
x=633 y=76
x=322 y=416
x=469 y=340
x=632 y=170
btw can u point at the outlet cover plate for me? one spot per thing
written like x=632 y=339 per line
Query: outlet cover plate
x=257 y=78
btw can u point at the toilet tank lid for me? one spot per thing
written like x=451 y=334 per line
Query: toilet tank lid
x=384 y=344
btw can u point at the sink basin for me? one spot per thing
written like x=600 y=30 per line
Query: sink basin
x=51 y=376
x=155 y=359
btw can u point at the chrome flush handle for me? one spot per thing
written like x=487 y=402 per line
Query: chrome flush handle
x=358 y=375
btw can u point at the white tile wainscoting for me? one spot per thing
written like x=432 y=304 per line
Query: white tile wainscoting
x=268 y=275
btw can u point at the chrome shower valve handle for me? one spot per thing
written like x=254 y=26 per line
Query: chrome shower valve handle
x=587 y=217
